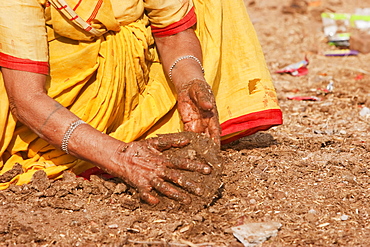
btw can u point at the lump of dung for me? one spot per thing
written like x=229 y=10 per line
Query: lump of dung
x=202 y=149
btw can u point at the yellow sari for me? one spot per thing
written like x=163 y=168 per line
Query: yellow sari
x=116 y=84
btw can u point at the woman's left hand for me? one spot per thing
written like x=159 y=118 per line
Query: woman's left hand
x=197 y=107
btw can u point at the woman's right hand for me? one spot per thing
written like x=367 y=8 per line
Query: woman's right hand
x=142 y=165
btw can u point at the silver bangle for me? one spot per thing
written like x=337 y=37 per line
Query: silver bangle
x=68 y=134
x=182 y=58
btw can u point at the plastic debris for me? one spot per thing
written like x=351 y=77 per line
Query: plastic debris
x=348 y=31
x=253 y=234
x=336 y=28
x=341 y=53
x=359 y=77
x=330 y=86
x=295 y=69
x=304 y=98
x=361 y=18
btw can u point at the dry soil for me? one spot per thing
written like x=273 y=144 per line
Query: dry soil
x=311 y=174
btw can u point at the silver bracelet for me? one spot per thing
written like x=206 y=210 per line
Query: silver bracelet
x=68 y=134
x=182 y=58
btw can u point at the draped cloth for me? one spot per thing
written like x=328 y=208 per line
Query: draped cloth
x=116 y=84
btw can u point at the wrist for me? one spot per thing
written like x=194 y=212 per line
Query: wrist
x=180 y=59
x=187 y=84
x=184 y=71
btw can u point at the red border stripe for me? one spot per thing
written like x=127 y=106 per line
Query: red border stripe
x=188 y=21
x=16 y=63
x=251 y=123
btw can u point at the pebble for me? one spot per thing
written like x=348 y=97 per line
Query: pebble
x=348 y=177
x=344 y=217
x=343 y=132
x=312 y=211
x=365 y=112
x=113 y=226
x=253 y=234
x=198 y=217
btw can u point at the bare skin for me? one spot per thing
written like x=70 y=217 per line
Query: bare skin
x=196 y=102
x=140 y=163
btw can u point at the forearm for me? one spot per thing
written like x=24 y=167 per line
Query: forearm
x=175 y=46
x=50 y=120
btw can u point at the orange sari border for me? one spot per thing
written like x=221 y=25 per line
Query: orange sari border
x=22 y=64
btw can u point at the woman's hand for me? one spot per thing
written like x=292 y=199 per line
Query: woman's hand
x=197 y=107
x=196 y=102
x=142 y=165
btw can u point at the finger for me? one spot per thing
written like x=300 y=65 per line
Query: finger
x=185 y=183
x=163 y=142
x=148 y=197
x=214 y=131
x=166 y=189
x=202 y=95
x=190 y=165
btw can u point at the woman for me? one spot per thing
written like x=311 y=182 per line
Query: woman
x=104 y=76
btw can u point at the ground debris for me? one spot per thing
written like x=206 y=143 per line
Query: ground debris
x=253 y=234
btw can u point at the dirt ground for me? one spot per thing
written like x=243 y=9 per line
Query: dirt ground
x=311 y=174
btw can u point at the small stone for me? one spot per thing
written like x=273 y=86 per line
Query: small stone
x=75 y=223
x=312 y=211
x=198 y=218
x=343 y=132
x=349 y=177
x=364 y=112
x=344 y=217
x=252 y=234
x=113 y=226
